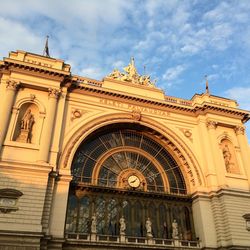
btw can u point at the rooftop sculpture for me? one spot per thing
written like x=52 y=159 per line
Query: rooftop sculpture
x=131 y=75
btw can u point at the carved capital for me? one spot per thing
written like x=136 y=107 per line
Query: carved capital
x=54 y=93
x=211 y=124
x=12 y=85
x=239 y=130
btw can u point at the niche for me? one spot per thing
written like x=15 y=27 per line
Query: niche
x=27 y=124
x=229 y=156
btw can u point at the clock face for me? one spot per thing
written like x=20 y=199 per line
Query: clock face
x=134 y=181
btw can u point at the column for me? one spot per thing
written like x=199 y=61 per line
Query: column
x=47 y=132
x=11 y=87
x=244 y=150
x=211 y=125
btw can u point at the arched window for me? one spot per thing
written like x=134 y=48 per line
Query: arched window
x=127 y=213
x=126 y=171
x=84 y=214
x=100 y=214
x=138 y=220
x=106 y=159
x=71 y=221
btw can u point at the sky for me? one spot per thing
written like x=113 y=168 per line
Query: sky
x=176 y=42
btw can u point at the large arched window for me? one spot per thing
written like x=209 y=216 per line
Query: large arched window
x=126 y=171
x=110 y=157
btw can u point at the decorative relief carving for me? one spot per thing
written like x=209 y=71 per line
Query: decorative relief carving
x=131 y=75
x=54 y=93
x=75 y=114
x=8 y=200
x=211 y=124
x=32 y=97
x=136 y=115
x=12 y=85
x=239 y=130
x=187 y=133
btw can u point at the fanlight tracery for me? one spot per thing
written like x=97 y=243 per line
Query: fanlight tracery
x=108 y=159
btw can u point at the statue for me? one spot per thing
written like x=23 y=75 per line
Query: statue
x=130 y=74
x=175 y=230
x=26 y=127
x=122 y=226
x=115 y=74
x=231 y=167
x=131 y=70
x=227 y=157
x=93 y=224
x=27 y=120
x=149 y=227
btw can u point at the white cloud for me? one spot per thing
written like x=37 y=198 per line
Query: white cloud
x=218 y=13
x=241 y=94
x=173 y=73
x=92 y=72
x=213 y=77
x=15 y=35
x=118 y=64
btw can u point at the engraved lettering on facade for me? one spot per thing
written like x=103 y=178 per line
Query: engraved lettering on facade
x=134 y=107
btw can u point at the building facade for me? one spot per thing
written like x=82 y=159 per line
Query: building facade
x=87 y=164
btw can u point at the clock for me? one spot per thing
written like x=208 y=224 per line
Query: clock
x=134 y=181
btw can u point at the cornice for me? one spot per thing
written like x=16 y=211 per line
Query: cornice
x=185 y=107
x=26 y=166
x=82 y=89
x=220 y=192
x=13 y=64
x=81 y=85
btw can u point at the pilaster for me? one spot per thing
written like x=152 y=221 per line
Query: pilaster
x=47 y=132
x=211 y=126
x=10 y=93
x=240 y=134
x=208 y=161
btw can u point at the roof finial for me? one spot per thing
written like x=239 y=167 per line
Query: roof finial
x=207 y=88
x=46 y=47
x=144 y=69
x=132 y=61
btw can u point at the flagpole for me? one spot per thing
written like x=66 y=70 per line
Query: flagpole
x=46 y=47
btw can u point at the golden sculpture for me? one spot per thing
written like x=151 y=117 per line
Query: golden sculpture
x=131 y=75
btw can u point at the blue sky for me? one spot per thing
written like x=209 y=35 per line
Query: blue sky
x=178 y=41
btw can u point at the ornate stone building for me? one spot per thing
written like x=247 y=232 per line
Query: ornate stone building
x=117 y=164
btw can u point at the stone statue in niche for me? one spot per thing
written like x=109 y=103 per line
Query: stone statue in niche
x=27 y=120
x=93 y=224
x=149 y=228
x=227 y=156
x=229 y=161
x=27 y=123
x=122 y=226
x=175 y=230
